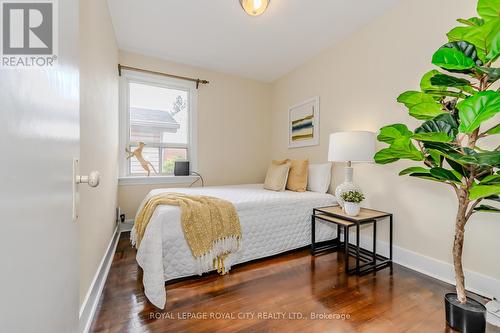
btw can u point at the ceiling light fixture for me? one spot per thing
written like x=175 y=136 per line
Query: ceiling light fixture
x=254 y=7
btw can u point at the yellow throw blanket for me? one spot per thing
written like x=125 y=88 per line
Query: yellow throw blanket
x=211 y=227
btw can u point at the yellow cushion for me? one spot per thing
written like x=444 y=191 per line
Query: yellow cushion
x=297 y=177
x=280 y=162
x=277 y=175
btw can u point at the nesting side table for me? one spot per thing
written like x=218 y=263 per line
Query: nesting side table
x=366 y=261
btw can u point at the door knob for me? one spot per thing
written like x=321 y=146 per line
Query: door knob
x=92 y=179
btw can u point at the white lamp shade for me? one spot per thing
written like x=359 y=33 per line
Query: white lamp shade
x=353 y=146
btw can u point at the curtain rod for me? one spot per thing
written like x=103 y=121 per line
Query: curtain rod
x=198 y=81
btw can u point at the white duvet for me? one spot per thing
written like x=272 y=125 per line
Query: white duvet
x=271 y=222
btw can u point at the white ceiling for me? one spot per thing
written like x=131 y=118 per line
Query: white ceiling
x=219 y=35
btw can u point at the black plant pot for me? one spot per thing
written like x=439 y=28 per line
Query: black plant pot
x=465 y=318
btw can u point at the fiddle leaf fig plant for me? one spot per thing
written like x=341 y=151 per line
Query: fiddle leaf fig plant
x=458 y=105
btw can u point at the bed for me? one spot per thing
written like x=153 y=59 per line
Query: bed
x=271 y=223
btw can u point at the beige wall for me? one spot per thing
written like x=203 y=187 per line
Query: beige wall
x=358 y=81
x=131 y=196
x=99 y=135
x=233 y=127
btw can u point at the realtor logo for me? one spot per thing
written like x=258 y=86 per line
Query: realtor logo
x=28 y=33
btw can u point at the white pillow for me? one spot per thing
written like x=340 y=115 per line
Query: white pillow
x=318 y=177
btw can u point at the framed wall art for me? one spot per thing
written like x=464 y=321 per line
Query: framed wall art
x=303 y=124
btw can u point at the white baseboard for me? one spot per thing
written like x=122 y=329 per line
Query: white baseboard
x=89 y=305
x=475 y=282
x=127 y=225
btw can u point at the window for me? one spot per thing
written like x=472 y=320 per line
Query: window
x=161 y=113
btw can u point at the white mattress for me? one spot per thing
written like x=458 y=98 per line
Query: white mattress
x=271 y=222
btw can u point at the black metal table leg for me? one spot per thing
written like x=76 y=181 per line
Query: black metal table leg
x=357 y=248
x=338 y=235
x=374 y=243
x=313 y=233
x=346 y=249
x=390 y=241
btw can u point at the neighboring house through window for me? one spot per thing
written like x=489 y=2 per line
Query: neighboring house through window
x=161 y=113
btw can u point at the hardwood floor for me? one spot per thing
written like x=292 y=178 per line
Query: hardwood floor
x=293 y=288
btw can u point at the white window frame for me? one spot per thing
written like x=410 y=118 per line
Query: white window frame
x=127 y=77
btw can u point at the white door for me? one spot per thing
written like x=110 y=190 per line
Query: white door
x=39 y=136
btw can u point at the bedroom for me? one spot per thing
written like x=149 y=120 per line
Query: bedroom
x=241 y=91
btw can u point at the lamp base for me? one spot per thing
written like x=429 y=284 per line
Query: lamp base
x=347 y=185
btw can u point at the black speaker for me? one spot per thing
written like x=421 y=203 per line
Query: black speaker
x=181 y=168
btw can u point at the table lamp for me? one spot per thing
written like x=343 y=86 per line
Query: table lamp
x=350 y=146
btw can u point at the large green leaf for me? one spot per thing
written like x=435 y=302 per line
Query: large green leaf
x=479 y=159
x=401 y=147
x=436 y=93
x=426 y=111
x=472 y=21
x=494 y=130
x=427 y=176
x=491 y=180
x=487 y=209
x=444 y=123
x=389 y=134
x=444 y=80
x=425 y=82
x=435 y=159
x=484 y=38
x=488 y=9
x=476 y=109
x=470 y=157
x=468 y=49
x=385 y=156
x=414 y=170
x=484 y=159
x=495 y=46
x=411 y=98
x=439 y=148
x=458 y=167
x=493 y=73
x=452 y=59
x=495 y=197
x=446 y=175
x=421 y=105
x=483 y=172
x=432 y=137
x=405 y=148
x=483 y=191
x=455 y=157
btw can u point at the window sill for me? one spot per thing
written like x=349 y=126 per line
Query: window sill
x=154 y=180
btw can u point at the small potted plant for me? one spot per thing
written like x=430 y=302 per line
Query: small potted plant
x=351 y=202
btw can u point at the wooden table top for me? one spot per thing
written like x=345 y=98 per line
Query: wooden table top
x=333 y=219
x=365 y=214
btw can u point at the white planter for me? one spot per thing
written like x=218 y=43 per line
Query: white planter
x=351 y=208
